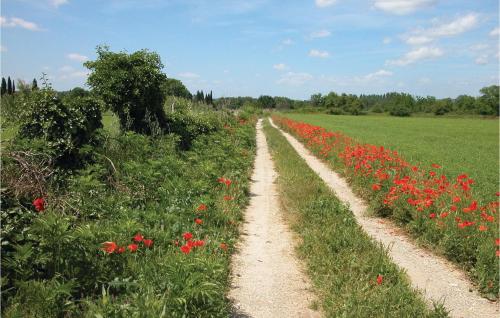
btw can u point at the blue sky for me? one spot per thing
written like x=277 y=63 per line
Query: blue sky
x=290 y=48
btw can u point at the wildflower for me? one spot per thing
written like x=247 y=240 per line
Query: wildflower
x=380 y=278
x=456 y=199
x=498 y=253
x=199 y=243
x=432 y=215
x=198 y=221
x=148 y=242
x=432 y=173
x=109 y=247
x=132 y=247
x=187 y=236
x=498 y=194
x=443 y=215
x=185 y=249
x=497 y=242
x=202 y=207
x=453 y=208
x=376 y=187
x=228 y=182
x=39 y=204
x=223 y=246
x=138 y=237
x=435 y=166
x=228 y=198
x=471 y=207
x=120 y=250
x=482 y=228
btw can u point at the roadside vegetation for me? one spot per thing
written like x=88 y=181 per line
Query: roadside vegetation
x=353 y=276
x=134 y=213
x=443 y=212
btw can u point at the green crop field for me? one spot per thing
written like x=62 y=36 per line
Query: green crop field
x=459 y=145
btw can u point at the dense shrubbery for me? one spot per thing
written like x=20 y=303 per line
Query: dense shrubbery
x=57 y=261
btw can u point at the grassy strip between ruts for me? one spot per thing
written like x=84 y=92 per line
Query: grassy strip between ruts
x=353 y=276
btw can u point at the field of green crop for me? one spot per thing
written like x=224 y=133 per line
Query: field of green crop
x=459 y=145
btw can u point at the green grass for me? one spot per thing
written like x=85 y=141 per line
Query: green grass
x=111 y=123
x=460 y=145
x=342 y=261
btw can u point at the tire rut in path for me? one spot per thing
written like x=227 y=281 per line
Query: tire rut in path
x=266 y=276
x=437 y=278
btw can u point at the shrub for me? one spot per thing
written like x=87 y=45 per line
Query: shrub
x=65 y=127
x=131 y=86
x=400 y=111
x=335 y=111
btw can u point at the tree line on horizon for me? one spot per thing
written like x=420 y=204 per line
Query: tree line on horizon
x=394 y=103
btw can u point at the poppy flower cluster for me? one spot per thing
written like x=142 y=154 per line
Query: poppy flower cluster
x=395 y=184
x=190 y=243
x=39 y=204
x=225 y=181
x=111 y=247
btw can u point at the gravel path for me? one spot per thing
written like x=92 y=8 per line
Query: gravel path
x=438 y=279
x=266 y=276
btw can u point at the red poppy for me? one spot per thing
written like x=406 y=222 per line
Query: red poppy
x=414 y=168
x=380 y=278
x=186 y=249
x=132 y=247
x=223 y=246
x=138 y=237
x=456 y=199
x=471 y=207
x=39 y=204
x=187 y=236
x=199 y=243
x=148 y=242
x=453 y=208
x=228 y=198
x=432 y=173
x=498 y=253
x=435 y=166
x=202 y=207
x=120 y=250
x=228 y=182
x=497 y=242
x=376 y=187
x=109 y=247
x=432 y=215
x=482 y=228
x=443 y=215
x=498 y=194
x=198 y=221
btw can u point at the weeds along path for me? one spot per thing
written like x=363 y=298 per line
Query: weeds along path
x=439 y=280
x=266 y=276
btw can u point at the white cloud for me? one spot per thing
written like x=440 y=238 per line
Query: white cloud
x=280 y=67
x=481 y=60
x=189 y=75
x=495 y=32
x=66 y=69
x=387 y=40
x=3 y=48
x=320 y=34
x=318 y=53
x=402 y=7
x=418 y=40
x=57 y=3
x=68 y=72
x=18 y=22
x=457 y=26
x=294 y=79
x=377 y=74
x=77 y=57
x=479 y=47
x=287 y=42
x=415 y=55
x=324 y=3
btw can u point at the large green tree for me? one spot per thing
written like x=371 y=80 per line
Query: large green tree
x=4 y=86
x=174 y=87
x=9 y=86
x=131 y=86
x=488 y=102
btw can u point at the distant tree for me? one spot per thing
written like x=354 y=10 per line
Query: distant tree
x=131 y=86
x=9 y=86
x=174 y=87
x=23 y=87
x=317 y=100
x=34 y=85
x=488 y=102
x=443 y=106
x=13 y=87
x=266 y=101
x=4 y=86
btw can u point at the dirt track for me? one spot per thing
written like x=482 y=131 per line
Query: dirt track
x=438 y=279
x=266 y=276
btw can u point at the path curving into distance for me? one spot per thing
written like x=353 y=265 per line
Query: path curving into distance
x=437 y=278
x=266 y=276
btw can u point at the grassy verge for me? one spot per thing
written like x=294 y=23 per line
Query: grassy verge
x=353 y=276
x=144 y=195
